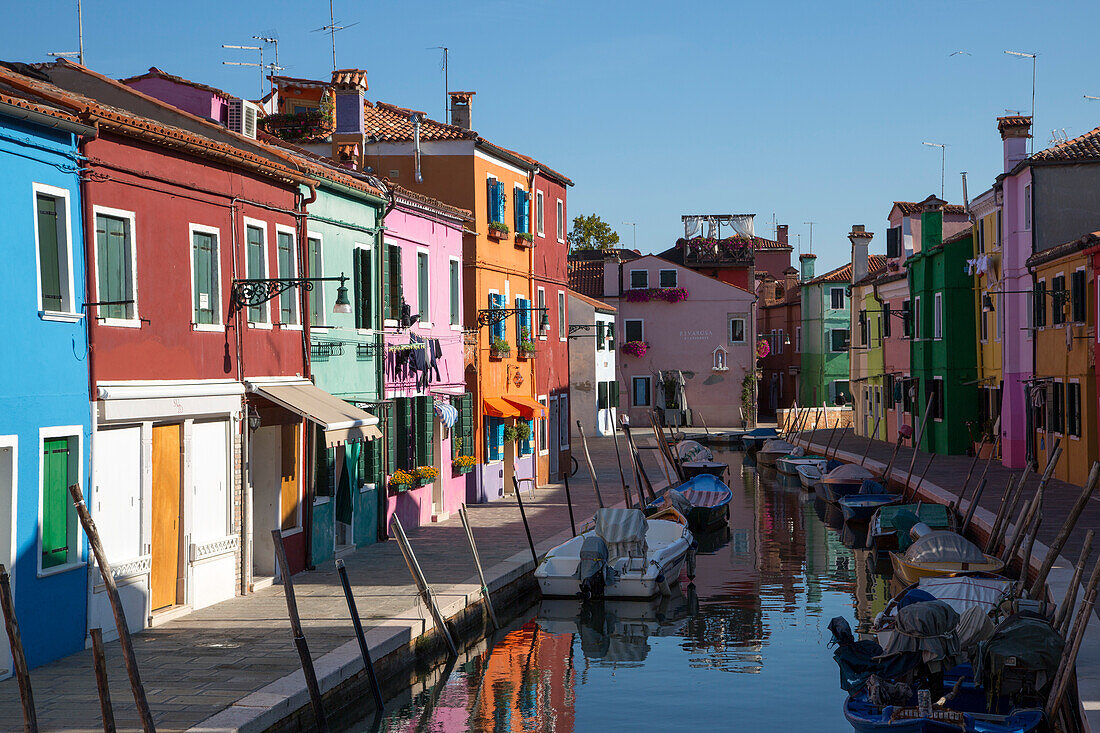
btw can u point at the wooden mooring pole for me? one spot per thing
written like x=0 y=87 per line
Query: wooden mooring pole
x=1031 y=509
x=588 y=461
x=422 y=583
x=19 y=661
x=1073 y=643
x=916 y=444
x=569 y=503
x=871 y=439
x=127 y=644
x=357 y=624
x=477 y=563
x=526 y=526
x=1000 y=513
x=622 y=476
x=1067 y=528
x=1065 y=608
x=299 y=636
x=102 y=686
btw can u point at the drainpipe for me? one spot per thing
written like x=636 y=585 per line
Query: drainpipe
x=415 y=119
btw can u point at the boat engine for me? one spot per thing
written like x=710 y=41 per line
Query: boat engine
x=593 y=567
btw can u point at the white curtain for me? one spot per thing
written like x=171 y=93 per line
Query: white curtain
x=691 y=226
x=743 y=224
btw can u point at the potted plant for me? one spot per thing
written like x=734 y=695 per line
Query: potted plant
x=525 y=238
x=426 y=474
x=499 y=349
x=634 y=348
x=402 y=480
x=462 y=464
x=511 y=433
x=498 y=230
x=527 y=346
x=523 y=431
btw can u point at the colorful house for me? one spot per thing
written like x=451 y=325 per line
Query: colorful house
x=1065 y=372
x=779 y=323
x=45 y=430
x=593 y=379
x=866 y=330
x=985 y=265
x=942 y=358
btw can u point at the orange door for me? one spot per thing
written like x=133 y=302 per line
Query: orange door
x=288 y=493
x=165 y=515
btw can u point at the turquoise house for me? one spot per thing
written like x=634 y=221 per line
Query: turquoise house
x=45 y=429
x=824 y=337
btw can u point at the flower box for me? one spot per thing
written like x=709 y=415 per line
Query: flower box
x=459 y=470
x=528 y=350
x=500 y=350
x=497 y=230
x=524 y=239
x=634 y=348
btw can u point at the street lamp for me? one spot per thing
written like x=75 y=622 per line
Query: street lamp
x=248 y=292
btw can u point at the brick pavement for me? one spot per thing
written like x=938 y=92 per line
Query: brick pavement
x=197 y=665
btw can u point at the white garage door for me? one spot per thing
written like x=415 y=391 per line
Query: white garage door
x=116 y=499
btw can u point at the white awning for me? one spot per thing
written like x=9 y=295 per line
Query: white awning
x=340 y=420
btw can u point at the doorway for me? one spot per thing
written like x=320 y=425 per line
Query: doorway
x=437 y=485
x=552 y=442
x=7 y=503
x=165 y=551
x=509 y=466
x=265 y=497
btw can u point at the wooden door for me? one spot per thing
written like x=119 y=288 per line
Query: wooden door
x=165 y=515
x=288 y=486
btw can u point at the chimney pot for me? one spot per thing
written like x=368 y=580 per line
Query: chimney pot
x=1014 y=134
x=860 y=239
x=807 y=262
x=461 y=104
x=781 y=233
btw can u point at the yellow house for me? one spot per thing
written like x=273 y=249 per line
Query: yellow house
x=986 y=269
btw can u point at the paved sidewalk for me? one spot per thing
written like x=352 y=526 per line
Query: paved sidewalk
x=197 y=665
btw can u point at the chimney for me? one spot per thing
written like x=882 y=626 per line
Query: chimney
x=860 y=240
x=781 y=234
x=349 y=87
x=807 y=263
x=931 y=223
x=790 y=284
x=460 y=108
x=1014 y=134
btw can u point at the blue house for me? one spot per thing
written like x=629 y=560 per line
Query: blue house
x=45 y=431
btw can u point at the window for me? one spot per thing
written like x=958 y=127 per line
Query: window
x=523 y=320
x=51 y=227
x=906 y=319
x=908 y=387
x=60 y=467
x=600 y=343
x=256 y=253
x=288 y=267
x=842 y=395
x=836 y=298
x=496 y=330
x=937 y=316
x=864 y=328
x=114 y=253
x=613 y=393
x=462 y=434
x=983 y=320
x=561 y=220
x=205 y=280
x=540 y=213
x=798 y=339
x=1078 y=296
x=1057 y=408
x=543 y=438
x=640 y=392
x=495 y=200
x=936 y=388
x=893 y=242
x=1073 y=409
x=456 y=293
x=601 y=395
x=999 y=230
x=316 y=269
x=1058 y=300
x=737 y=330
x=639 y=279
x=1039 y=304
x=362 y=263
x=1027 y=206
x=885 y=321
x=917 y=332
x=633 y=329
x=391 y=283
x=494 y=438
x=667 y=278
x=563 y=421
x=980 y=227
x=522 y=209
x=422 y=288
x=839 y=337
x=544 y=321
x=562 y=330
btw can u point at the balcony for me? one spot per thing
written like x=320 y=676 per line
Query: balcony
x=716 y=252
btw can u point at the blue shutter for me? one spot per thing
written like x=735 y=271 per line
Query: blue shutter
x=494 y=435
x=526 y=212
x=500 y=201
x=525 y=444
x=491 y=198
x=517 y=209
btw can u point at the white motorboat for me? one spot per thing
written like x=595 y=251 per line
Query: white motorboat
x=809 y=474
x=624 y=556
x=775 y=449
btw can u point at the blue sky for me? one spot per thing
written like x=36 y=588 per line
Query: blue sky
x=812 y=111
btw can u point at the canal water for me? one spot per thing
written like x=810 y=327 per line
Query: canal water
x=743 y=648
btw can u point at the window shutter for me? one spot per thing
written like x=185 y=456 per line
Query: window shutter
x=490 y=199
x=55 y=506
x=397 y=286
x=387 y=307
x=517 y=209
x=525 y=444
x=391 y=436
x=527 y=212
x=613 y=387
x=1038 y=305
x=425 y=431
x=467 y=414
x=494 y=435
x=601 y=396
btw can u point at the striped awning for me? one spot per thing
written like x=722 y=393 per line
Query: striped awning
x=447 y=413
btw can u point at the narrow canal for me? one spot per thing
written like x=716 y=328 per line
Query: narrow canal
x=742 y=648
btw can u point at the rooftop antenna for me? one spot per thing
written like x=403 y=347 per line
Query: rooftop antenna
x=1032 y=56
x=1089 y=96
x=332 y=28
x=635 y=225
x=80 y=33
x=943 y=161
x=811 y=223
x=262 y=66
x=1014 y=111
x=446 y=83
x=271 y=37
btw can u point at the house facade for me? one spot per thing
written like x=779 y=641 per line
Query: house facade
x=985 y=266
x=865 y=336
x=45 y=429
x=779 y=323
x=593 y=380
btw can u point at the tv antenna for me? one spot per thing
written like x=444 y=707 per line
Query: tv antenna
x=811 y=223
x=331 y=28
x=262 y=66
x=960 y=52
x=1057 y=137
x=1033 y=57
x=80 y=34
x=1089 y=96
x=270 y=38
x=446 y=83
x=943 y=161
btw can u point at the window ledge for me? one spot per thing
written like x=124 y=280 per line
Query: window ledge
x=289 y=327
x=60 y=317
x=456 y=327
x=208 y=327
x=367 y=487
x=58 y=569
x=261 y=326
x=320 y=327
x=321 y=500
x=119 y=322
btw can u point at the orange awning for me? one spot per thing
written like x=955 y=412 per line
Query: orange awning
x=528 y=407
x=497 y=407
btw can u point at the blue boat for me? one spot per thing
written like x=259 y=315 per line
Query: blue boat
x=867 y=718
x=755 y=438
x=844 y=480
x=861 y=507
x=703 y=499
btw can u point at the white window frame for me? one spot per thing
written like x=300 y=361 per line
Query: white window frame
x=540 y=302
x=1027 y=207
x=540 y=213
x=192 y=228
x=284 y=229
x=633 y=320
x=131 y=218
x=634 y=390
x=455 y=261
x=559 y=212
x=386 y=244
x=71 y=315
x=424 y=309
x=675 y=279
x=937 y=316
x=639 y=287
x=563 y=322
x=75 y=532
x=842 y=350
x=262 y=226
x=843 y=297
x=542 y=427
x=318 y=288
x=744 y=331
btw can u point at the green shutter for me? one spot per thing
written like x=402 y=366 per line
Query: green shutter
x=206 y=277
x=613 y=388
x=284 y=242
x=395 y=281
x=406 y=427
x=456 y=317
x=601 y=398
x=255 y=251
x=466 y=416
x=425 y=431
x=387 y=307
x=55 y=504
x=391 y=435
x=317 y=295
x=114 y=265
x=361 y=280
x=49 y=257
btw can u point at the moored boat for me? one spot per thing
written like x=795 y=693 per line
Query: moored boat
x=941 y=553
x=772 y=450
x=843 y=480
x=809 y=475
x=861 y=507
x=704 y=500
x=753 y=439
x=692 y=469
x=889 y=526
x=692 y=450
x=789 y=464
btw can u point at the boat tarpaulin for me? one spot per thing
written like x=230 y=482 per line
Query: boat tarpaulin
x=497 y=407
x=967 y=591
x=927 y=628
x=776 y=445
x=847 y=472
x=692 y=450
x=340 y=420
x=528 y=407
x=1020 y=643
x=623 y=530
x=943 y=546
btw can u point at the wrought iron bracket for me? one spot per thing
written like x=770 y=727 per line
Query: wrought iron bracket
x=493 y=316
x=249 y=292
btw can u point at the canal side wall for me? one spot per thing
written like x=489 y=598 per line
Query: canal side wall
x=1058 y=580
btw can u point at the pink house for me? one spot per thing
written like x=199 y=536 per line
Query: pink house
x=685 y=343
x=199 y=99
x=422 y=267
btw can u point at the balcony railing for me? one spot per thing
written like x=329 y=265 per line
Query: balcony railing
x=707 y=251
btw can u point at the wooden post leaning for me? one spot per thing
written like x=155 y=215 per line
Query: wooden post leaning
x=526 y=526
x=1073 y=642
x=1067 y=528
x=1065 y=608
x=973 y=507
x=299 y=636
x=1013 y=505
x=871 y=439
x=477 y=563
x=1032 y=508
x=422 y=583
x=916 y=444
x=622 y=476
x=102 y=687
x=1000 y=513
x=127 y=644
x=357 y=625
x=569 y=503
x=22 y=674
x=591 y=470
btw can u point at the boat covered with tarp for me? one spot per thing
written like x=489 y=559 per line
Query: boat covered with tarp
x=774 y=449
x=941 y=553
x=845 y=479
x=703 y=499
x=890 y=525
x=693 y=450
x=790 y=464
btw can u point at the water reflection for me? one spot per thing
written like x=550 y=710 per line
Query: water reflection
x=742 y=647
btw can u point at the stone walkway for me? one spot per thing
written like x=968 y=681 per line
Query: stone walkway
x=199 y=664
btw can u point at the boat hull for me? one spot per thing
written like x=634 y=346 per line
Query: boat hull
x=833 y=490
x=642 y=585
x=908 y=572
x=808 y=476
x=697 y=468
x=789 y=464
x=861 y=507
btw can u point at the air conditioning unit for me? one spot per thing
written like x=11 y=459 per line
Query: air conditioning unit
x=242 y=117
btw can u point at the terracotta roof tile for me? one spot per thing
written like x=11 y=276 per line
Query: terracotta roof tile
x=155 y=73
x=1082 y=147
x=350 y=78
x=759 y=243
x=418 y=198
x=909 y=208
x=843 y=274
x=586 y=277
x=1061 y=250
x=594 y=302
x=321 y=167
x=390 y=123
x=1013 y=121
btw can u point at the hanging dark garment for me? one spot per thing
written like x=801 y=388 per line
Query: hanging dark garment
x=349 y=479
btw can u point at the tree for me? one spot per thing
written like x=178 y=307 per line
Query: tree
x=591 y=232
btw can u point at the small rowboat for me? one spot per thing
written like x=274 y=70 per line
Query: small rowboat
x=698 y=468
x=888 y=536
x=789 y=464
x=772 y=451
x=844 y=480
x=867 y=718
x=753 y=439
x=691 y=450
x=809 y=475
x=861 y=507
x=704 y=500
x=941 y=553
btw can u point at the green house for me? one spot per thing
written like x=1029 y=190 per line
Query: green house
x=943 y=361
x=825 y=335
